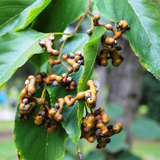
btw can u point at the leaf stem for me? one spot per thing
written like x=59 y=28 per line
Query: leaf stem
x=79 y=153
x=62 y=47
x=77 y=26
x=59 y=33
x=91 y=22
x=44 y=93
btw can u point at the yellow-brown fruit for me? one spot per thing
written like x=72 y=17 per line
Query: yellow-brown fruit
x=69 y=100
x=89 y=122
x=75 y=67
x=89 y=137
x=103 y=57
x=101 y=142
x=52 y=128
x=52 y=61
x=40 y=101
x=31 y=85
x=72 y=62
x=61 y=104
x=109 y=26
x=80 y=95
x=56 y=77
x=50 y=50
x=72 y=85
x=89 y=32
x=109 y=40
x=104 y=62
x=102 y=127
x=52 y=112
x=105 y=117
x=38 y=120
x=117 y=127
x=116 y=57
x=123 y=24
x=39 y=78
x=92 y=90
x=96 y=17
x=58 y=117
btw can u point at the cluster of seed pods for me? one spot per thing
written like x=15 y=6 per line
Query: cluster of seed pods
x=110 y=48
x=94 y=128
x=93 y=125
x=28 y=102
x=48 y=115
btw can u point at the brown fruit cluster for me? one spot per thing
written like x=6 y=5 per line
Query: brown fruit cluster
x=94 y=128
x=113 y=54
x=28 y=102
x=47 y=115
x=74 y=61
x=94 y=124
x=110 y=48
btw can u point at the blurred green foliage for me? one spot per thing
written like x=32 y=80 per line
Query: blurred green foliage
x=114 y=111
x=146 y=128
x=151 y=96
x=118 y=143
x=7 y=150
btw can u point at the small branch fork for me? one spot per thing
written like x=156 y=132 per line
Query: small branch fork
x=76 y=28
x=88 y=11
x=58 y=61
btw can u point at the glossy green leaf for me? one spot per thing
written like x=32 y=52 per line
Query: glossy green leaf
x=90 y=52
x=33 y=142
x=71 y=122
x=146 y=128
x=59 y=14
x=38 y=60
x=144 y=36
x=15 y=49
x=19 y=14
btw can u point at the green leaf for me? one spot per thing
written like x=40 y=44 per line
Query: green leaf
x=38 y=60
x=59 y=14
x=90 y=52
x=70 y=121
x=33 y=142
x=144 y=36
x=118 y=142
x=19 y=14
x=15 y=50
x=146 y=128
